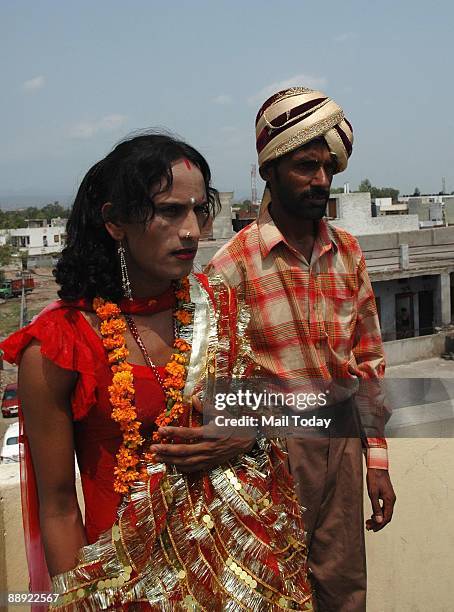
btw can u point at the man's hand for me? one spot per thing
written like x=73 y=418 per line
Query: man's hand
x=379 y=488
x=212 y=449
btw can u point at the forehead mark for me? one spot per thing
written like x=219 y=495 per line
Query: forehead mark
x=187 y=163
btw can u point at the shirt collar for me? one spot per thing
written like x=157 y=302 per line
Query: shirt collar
x=270 y=235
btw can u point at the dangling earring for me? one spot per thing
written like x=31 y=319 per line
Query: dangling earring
x=124 y=272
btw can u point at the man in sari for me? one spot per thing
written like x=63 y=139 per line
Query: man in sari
x=314 y=318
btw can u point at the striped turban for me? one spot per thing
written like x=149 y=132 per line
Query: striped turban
x=295 y=116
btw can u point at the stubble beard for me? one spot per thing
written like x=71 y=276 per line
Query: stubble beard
x=303 y=206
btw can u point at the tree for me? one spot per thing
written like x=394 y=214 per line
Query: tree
x=11 y=219
x=385 y=192
x=378 y=192
x=5 y=254
x=365 y=185
x=51 y=211
x=416 y=192
x=337 y=190
x=246 y=205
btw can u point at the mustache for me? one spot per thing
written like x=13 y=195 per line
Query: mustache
x=316 y=193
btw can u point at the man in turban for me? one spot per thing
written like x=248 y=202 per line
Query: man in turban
x=314 y=318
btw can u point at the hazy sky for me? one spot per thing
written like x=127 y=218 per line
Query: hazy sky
x=78 y=76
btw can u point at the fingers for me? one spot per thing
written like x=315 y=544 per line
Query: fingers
x=197 y=404
x=389 y=499
x=382 y=497
x=185 y=433
x=187 y=463
x=201 y=456
x=376 y=508
x=191 y=433
x=175 y=451
x=197 y=463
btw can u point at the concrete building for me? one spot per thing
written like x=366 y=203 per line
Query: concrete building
x=385 y=206
x=412 y=275
x=222 y=224
x=353 y=212
x=43 y=241
x=217 y=233
x=432 y=209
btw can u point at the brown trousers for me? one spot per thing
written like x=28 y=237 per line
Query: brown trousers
x=329 y=480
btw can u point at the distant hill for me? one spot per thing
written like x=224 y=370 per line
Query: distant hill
x=15 y=202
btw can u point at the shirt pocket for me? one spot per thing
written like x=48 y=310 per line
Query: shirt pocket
x=338 y=298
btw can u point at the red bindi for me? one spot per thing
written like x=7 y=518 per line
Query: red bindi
x=187 y=163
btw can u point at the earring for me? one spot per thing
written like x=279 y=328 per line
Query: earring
x=124 y=272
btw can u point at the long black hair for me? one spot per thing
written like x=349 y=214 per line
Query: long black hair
x=88 y=265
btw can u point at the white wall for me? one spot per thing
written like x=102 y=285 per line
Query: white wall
x=355 y=216
x=36 y=235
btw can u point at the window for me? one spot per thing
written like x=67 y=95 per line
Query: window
x=45 y=241
x=56 y=238
x=20 y=241
x=332 y=208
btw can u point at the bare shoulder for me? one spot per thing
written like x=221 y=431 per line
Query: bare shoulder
x=38 y=375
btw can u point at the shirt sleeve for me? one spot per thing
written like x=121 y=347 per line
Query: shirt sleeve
x=377 y=454
x=368 y=351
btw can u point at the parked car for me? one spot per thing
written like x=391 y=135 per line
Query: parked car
x=10 y=447
x=10 y=401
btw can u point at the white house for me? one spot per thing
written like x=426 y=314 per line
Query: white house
x=38 y=238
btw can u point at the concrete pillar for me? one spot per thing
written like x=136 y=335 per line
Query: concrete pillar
x=404 y=257
x=443 y=299
x=222 y=225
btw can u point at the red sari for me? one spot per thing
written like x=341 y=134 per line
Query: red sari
x=232 y=535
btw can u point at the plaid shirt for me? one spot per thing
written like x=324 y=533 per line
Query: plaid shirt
x=316 y=321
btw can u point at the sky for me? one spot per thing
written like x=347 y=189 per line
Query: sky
x=77 y=77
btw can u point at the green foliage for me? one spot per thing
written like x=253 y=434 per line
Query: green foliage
x=417 y=192
x=378 y=192
x=244 y=205
x=365 y=185
x=337 y=190
x=5 y=254
x=11 y=219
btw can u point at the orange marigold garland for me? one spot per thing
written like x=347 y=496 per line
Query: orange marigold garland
x=176 y=369
x=121 y=391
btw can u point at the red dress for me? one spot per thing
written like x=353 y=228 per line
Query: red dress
x=69 y=341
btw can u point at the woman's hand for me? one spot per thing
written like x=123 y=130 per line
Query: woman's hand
x=203 y=447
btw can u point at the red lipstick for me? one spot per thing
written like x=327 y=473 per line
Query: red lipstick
x=185 y=254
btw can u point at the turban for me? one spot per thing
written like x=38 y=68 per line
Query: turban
x=295 y=116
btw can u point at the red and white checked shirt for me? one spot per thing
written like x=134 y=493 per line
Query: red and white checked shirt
x=311 y=321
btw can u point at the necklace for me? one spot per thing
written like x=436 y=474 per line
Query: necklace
x=121 y=391
x=135 y=334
